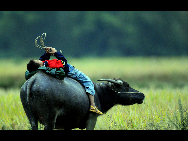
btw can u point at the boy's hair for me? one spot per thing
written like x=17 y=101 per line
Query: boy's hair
x=32 y=66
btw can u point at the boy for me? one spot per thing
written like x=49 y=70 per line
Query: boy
x=70 y=71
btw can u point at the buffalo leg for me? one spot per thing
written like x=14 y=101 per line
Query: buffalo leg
x=30 y=114
x=50 y=120
x=32 y=118
x=92 y=119
x=34 y=124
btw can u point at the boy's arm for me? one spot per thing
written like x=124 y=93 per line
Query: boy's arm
x=59 y=56
x=45 y=56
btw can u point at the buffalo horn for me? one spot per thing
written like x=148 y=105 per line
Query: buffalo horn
x=130 y=92
x=119 y=82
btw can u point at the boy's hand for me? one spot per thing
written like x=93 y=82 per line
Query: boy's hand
x=50 y=50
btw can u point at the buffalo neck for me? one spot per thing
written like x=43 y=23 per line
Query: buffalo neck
x=106 y=96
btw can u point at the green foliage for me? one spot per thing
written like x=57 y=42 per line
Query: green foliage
x=95 y=33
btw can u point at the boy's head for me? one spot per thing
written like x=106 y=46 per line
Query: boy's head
x=34 y=65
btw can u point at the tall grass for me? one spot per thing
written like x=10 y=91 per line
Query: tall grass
x=12 y=115
x=162 y=80
x=160 y=110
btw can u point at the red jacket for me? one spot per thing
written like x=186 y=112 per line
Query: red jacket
x=54 y=63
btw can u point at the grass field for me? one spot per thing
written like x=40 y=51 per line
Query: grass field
x=162 y=80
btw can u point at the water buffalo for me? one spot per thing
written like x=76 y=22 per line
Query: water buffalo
x=64 y=104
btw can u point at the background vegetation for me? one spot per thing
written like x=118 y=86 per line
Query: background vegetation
x=95 y=33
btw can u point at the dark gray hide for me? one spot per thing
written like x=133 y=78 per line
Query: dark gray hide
x=65 y=104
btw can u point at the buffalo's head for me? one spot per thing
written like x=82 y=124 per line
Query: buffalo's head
x=125 y=95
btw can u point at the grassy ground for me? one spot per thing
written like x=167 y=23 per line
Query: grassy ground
x=159 y=107
x=12 y=115
x=162 y=80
